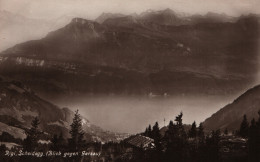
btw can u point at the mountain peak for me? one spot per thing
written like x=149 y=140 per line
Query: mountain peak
x=163 y=17
x=80 y=21
x=104 y=16
x=165 y=11
x=79 y=29
x=168 y=11
x=121 y=21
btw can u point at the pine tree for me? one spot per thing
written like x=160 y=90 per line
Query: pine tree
x=3 y=157
x=170 y=141
x=146 y=132
x=54 y=141
x=226 y=131
x=76 y=141
x=212 y=146
x=179 y=126
x=258 y=122
x=254 y=140
x=57 y=142
x=193 y=130
x=61 y=141
x=149 y=131
x=244 y=128
x=171 y=128
x=157 y=141
x=3 y=148
x=201 y=145
x=170 y=133
x=156 y=132
x=178 y=120
x=176 y=142
x=31 y=141
x=201 y=133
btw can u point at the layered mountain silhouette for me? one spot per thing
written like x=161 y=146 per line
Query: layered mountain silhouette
x=155 y=52
x=104 y=16
x=231 y=115
x=16 y=28
x=19 y=106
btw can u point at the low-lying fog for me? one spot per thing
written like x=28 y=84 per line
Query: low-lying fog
x=133 y=114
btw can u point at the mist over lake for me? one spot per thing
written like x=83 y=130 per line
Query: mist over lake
x=132 y=114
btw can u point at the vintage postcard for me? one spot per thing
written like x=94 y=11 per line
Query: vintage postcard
x=130 y=80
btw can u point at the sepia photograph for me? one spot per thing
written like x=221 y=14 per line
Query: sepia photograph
x=130 y=80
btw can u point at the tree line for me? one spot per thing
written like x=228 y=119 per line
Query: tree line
x=75 y=143
x=251 y=132
x=194 y=145
x=176 y=143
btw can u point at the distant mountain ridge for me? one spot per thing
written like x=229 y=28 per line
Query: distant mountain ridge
x=140 y=54
x=170 y=17
x=104 y=16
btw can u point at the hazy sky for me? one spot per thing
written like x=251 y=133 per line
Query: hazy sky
x=92 y=8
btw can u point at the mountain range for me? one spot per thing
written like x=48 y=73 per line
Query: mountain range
x=159 y=52
x=153 y=53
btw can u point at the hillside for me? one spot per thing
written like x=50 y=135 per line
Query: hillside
x=231 y=115
x=19 y=105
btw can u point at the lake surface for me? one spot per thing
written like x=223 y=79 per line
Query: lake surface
x=132 y=114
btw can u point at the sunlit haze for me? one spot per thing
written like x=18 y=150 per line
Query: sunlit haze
x=48 y=9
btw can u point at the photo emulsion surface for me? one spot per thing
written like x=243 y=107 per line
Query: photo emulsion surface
x=130 y=80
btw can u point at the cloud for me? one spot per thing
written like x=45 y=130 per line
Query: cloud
x=92 y=8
